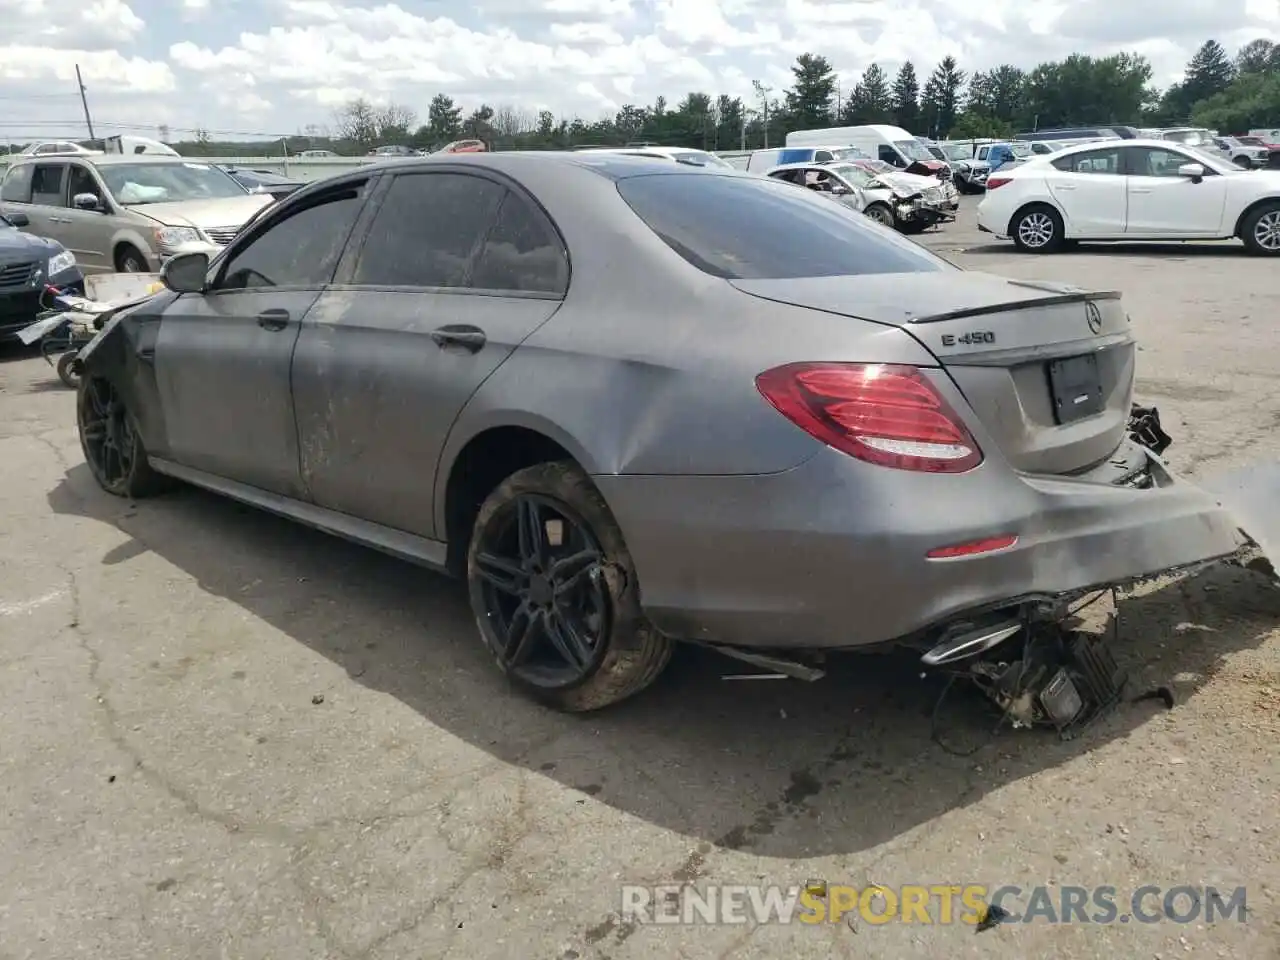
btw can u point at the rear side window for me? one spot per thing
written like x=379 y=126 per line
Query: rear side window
x=1091 y=161
x=302 y=250
x=522 y=252
x=748 y=228
x=17 y=184
x=427 y=230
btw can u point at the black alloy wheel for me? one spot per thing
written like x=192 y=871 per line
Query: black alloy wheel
x=555 y=595
x=539 y=567
x=109 y=438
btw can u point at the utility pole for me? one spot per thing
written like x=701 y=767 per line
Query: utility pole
x=763 y=93
x=84 y=102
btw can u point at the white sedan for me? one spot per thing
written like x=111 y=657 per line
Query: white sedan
x=1132 y=190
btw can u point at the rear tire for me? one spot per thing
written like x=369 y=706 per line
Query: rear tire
x=1244 y=162
x=912 y=228
x=112 y=446
x=537 y=597
x=1037 y=229
x=1261 y=230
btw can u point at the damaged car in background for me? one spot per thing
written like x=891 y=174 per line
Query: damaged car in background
x=968 y=173
x=836 y=441
x=862 y=191
x=919 y=202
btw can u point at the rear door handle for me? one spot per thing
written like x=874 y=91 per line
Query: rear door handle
x=461 y=335
x=273 y=319
x=1140 y=190
x=1066 y=186
x=59 y=219
x=146 y=354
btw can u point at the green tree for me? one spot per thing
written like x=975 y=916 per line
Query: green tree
x=1253 y=100
x=444 y=119
x=808 y=101
x=1083 y=90
x=931 y=107
x=947 y=82
x=905 y=99
x=1210 y=72
x=871 y=101
x=479 y=125
x=976 y=123
x=1258 y=56
x=730 y=120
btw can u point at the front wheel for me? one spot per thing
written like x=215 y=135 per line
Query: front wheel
x=112 y=446
x=1038 y=230
x=130 y=260
x=555 y=595
x=68 y=372
x=880 y=214
x=1261 y=231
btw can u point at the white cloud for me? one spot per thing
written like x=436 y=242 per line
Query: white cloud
x=282 y=64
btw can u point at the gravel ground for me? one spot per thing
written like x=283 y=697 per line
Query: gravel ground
x=231 y=737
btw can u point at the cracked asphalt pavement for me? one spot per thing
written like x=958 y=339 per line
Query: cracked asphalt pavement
x=227 y=736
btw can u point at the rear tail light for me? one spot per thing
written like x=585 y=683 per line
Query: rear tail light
x=993 y=182
x=884 y=414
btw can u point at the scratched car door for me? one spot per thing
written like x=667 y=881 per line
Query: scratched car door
x=457 y=268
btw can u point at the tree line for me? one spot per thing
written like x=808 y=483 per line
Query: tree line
x=1219 y=91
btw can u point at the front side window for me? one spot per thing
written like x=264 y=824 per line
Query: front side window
x=301 y=250
x=890 y=155
x=1091 y=161
x=82 y=181
x=427 y=230
x=1157 y=162
x=46 y=184
x=17 y=184
x=743 y=228
x=136 y=184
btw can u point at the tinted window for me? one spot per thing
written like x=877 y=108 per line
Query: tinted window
x=1091 y=161
x=46 y=184
x=756 y=228
x=1156 y=162
x=427 y=229
x=890 y=155
x=300 y=250
x=17 y=184
x=522 y=252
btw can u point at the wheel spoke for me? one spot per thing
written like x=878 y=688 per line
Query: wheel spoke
x=567 y=640
x=97 y=400
x=95 y=432
x=502 y=575
x=568 y=572
x=521 y=629
x=529 y=527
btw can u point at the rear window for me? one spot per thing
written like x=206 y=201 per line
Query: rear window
x=747 y=228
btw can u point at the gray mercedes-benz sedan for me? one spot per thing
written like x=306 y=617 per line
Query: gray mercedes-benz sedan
x=636 y=403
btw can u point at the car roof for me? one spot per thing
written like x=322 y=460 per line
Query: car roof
x=606 y=163
x=111 y=159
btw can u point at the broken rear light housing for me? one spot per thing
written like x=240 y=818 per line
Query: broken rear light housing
x=993 y=182
x=886 y=414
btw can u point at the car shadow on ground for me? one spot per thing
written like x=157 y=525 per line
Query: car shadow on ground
x=12 y=351
x=780 y=768
x=1161 y=251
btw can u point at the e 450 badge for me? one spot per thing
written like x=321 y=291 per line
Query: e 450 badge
x=973 y=338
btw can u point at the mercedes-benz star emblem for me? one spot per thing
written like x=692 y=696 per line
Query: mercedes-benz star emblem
x=1093 y=315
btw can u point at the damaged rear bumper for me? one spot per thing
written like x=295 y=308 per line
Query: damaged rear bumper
x=831 y=556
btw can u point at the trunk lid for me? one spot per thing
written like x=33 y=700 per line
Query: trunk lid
x=1048 y=368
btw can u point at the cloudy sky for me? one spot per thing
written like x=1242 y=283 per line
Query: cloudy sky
x=277 y=66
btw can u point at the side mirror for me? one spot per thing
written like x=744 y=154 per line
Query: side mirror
x=87 y=201
x=18 y=219
x=1193 y=171
x=185 y=272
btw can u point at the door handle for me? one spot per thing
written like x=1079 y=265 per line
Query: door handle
x=273 y=319
x=146 y=354
x=1066 y=186
x=59 y=219
x=1140 y=190
x=462 y=335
